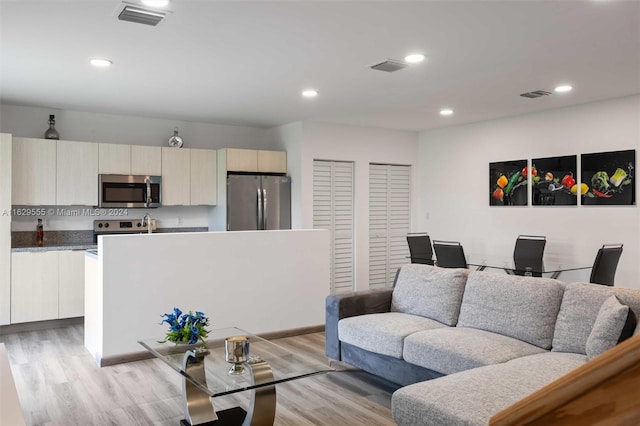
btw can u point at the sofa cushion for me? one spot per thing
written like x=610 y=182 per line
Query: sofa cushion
x=524 y=308
x=580 y=307
x=430 y=292
x=608 y=327
x=450 y=350
x=383 y=333
x=472 y=397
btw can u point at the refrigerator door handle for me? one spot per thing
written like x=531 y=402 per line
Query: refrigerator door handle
x=260 y=209
x=264 y=208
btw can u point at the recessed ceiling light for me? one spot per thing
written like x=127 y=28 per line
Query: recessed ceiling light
x=310 y=93
x=563 y=88
x=155 y=3
x=100 y=62
x=414 y=58
x=446 y=111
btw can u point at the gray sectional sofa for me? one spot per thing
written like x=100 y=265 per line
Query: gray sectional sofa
x=466 y=345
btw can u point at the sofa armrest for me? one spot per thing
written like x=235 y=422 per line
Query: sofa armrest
x=341 y=306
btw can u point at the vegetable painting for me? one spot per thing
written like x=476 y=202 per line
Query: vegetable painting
x=507 y=184
x=609 y=177
x=553 y=183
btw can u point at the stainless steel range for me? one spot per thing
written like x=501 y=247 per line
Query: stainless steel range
x=130 y=226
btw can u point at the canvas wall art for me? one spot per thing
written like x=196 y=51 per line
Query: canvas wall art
x=608 y=178
x=508 y=183
x=553 y=181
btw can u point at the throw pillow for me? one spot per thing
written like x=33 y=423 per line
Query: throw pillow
x=430 y=292
x=609 y=324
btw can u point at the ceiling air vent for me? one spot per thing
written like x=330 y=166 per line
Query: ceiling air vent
x=140 y=15
x=389 y=65
x=535 y=94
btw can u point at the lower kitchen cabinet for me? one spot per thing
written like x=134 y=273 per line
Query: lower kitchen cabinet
x=34 y=286
x=47 y=285
x=71 y=284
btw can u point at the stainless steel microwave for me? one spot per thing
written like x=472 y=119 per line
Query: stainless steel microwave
x=130 y=191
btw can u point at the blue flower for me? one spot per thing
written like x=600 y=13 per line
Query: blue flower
x=186 y=327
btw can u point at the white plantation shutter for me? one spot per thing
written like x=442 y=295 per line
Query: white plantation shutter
x=389 y=221
x=333 y=210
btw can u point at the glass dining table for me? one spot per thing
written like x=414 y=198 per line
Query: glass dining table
x=552 y=268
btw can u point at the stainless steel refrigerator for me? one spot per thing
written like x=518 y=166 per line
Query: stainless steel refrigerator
x=256 y=202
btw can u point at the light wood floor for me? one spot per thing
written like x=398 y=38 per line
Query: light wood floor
x=59 y=383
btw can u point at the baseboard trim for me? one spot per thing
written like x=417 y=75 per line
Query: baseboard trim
x=273 y=335
x=292 y=332
x=40 y=325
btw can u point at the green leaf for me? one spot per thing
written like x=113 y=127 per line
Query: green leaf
x=626 y=181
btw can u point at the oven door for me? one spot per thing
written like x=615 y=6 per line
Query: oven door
x=130 y=191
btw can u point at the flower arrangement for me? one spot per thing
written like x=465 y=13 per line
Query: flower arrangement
x=186 y=328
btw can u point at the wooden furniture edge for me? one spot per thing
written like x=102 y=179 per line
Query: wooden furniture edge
x=618 y=360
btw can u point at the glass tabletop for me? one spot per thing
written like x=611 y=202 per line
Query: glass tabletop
x=552 y=266
x=284 y=364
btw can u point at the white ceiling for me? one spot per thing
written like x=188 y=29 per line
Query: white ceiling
x=245 y=63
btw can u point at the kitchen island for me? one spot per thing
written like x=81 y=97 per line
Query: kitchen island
x=260 y=281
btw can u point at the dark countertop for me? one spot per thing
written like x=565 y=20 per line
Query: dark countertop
x=25 y=241
x=54 y=247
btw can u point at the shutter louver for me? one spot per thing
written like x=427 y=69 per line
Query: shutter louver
x=333 y=210
x=389 y=221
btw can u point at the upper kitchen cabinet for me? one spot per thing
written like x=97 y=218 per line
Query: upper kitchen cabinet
x=77 y=174
x=257 y=161
x=33 y=176
x=146 y=160
x=242 y=160
x=176 y=177
x=114 y=159
x=272 y=161
x=203 y=177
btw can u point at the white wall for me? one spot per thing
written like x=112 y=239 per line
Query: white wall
x=260 y=281
x=454 y=196
x=25 y=121
x=289 y=138
x=362 y=145
x=32 y=122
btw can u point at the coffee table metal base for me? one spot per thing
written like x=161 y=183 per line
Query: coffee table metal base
x=231 y=417
x=198 y=407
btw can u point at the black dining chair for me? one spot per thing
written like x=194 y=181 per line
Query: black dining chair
x=527 y=255
x=605 y=265
x=420 y=248
x=449 y=254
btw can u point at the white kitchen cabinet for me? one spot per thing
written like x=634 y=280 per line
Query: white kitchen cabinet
x=272 y=161
x=33 y=175
x=176 y=177
x=71 y=283
x=242 y=160
x=34 y=286
x=114 y=159
x=252 y=160
x=77 y=174
x=146 y=160
x=203 y=177
x=5 y=229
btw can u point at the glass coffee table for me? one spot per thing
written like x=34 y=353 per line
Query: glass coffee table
x=257 y=366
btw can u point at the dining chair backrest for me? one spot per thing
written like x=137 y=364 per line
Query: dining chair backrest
x=449 y=254
x=605 y=265
x=528 y=254
x=420 y=248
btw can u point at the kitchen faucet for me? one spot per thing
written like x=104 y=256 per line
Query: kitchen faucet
x=146 y=221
